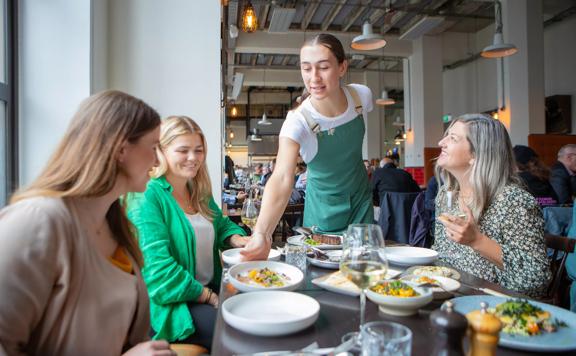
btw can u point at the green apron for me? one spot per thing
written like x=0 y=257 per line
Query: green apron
x=337 y=189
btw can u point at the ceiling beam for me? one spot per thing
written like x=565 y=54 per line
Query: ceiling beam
x=334 y=11
x=253 y=59
x=285 y=60
x=270 y=60
x=264 y=15
x=311 y=8
x=353 y=16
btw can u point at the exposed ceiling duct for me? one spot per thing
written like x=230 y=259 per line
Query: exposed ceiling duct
x=281 y=19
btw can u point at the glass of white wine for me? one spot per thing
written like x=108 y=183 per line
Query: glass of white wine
x=249 y=213
x=363 y=260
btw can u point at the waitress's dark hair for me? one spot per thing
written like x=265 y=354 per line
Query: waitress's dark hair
x=333 y=44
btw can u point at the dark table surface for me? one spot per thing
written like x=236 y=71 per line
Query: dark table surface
x=340 y=314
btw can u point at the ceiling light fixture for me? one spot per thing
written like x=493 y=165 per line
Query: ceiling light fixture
x=255 y=137
x=231 y=134
x=249 y=19
x=264 y=121
x=498 y=48
x=384 y=99
x=234 y=111
x=368 y=40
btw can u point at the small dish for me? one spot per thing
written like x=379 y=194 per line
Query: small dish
x=447 y=285
x=338 y=283
x=233 y=256
x=410 y=256
x=401 y=306
x=331 y=262
x=291 y=276
x=434 y=271
x=270 y=313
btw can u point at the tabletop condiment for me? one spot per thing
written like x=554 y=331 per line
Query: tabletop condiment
x=483 y=331
x=450 y=328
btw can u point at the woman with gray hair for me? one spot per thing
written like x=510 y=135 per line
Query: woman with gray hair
x=487 y=225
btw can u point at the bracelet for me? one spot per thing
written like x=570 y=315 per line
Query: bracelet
x=209 y=296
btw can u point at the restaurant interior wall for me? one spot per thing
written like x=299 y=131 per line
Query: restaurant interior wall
x=168 y=53
x=55 y=50
x=560 y=60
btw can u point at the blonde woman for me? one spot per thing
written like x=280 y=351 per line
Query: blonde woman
x=500 y=238
x=181 y=230
x=70 y=279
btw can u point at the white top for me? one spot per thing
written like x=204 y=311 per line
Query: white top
x=204 y=232
x=296 y=128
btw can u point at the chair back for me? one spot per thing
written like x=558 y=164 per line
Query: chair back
x=395 y=214
x=558 y=285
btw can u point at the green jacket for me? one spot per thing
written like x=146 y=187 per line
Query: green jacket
x=168 y=244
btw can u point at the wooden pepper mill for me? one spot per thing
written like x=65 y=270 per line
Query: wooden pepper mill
x=450 y=328
x=484 y=331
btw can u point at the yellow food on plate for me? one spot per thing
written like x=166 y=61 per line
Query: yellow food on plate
x=264 y=277
x=519 y=317
x=425 y=280
x=395 y=289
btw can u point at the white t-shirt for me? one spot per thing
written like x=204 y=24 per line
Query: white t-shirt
x=204 y=232
x=296 y=128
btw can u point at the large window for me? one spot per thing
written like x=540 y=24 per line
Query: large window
x=8 y=123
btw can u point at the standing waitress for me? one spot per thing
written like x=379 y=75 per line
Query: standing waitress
x=327 y=131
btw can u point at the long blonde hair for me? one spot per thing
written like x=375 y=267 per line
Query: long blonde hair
x=200 y=187
x=100 y=126
x=493 y=167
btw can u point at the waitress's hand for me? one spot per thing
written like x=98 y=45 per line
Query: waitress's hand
x=462 y=231
x=257 y=248
x=151 y=348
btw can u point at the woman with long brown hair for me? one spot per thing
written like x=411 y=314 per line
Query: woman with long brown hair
x=181 y=231
x=69 y=264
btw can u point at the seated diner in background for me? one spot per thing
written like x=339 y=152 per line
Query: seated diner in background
x=487 y=225
x=534 y=175
x=563 y=174
x=69 y=264
x=181 y=231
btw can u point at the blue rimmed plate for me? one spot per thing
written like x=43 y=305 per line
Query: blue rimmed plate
x=564 y=339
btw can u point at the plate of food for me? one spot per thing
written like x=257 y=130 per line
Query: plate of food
x=337 y=282
x=431 y=271
x=233 y=257
x=442 y=287
x=527 y=325
x=400 y=298
x=330 y=259
x=321 y=241
x=270 y=313
x=265 y=275
x=410 y=256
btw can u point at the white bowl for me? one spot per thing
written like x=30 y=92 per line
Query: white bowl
x=233 y=256
x=295 y=275
x=410 y=256
x=270 y=313
x=401 y=306
x=449 y=285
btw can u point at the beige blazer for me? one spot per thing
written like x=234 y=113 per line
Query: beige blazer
x=58 y=294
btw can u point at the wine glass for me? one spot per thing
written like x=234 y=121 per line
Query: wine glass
x=363 y=260
x=249 y=213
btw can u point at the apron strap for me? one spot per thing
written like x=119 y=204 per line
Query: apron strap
x=314 y=126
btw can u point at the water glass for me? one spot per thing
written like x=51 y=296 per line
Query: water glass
x=296 y=256
x=386 y=339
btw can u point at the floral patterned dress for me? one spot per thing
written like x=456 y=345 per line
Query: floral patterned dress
x=514 y=220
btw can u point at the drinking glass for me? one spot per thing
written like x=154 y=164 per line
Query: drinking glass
x=296 y=256
x=363 y=259
x=386 y=339
x=249 y=213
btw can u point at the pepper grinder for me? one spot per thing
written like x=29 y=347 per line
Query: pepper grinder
x=450 y=328
x=484 y=331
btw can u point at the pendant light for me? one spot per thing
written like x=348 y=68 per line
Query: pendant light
x=368 y=40
x=249 y=19
x=384 y=99
x=234 y=111
x=398 y=122
x=264 y=121
x=498 y=48
x=255 y=137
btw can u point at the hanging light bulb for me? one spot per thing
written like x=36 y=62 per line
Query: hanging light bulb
x=264 y=121
x=231 y=134
x=234 y=111
x=249 y=19
x=384 y=99
x=368 y=40
x=498 y=48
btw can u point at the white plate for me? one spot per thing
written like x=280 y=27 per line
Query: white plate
x=233 y=257
x=338 y=283
x=270 y=313
x=449 y=285
x=410 y=256
x=299 y=240
x=330 y=264
x=401 y=306
x=434 y=271
x=295 y=276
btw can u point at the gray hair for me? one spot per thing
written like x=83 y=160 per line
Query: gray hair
x=564 y=150
x=493 y=166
